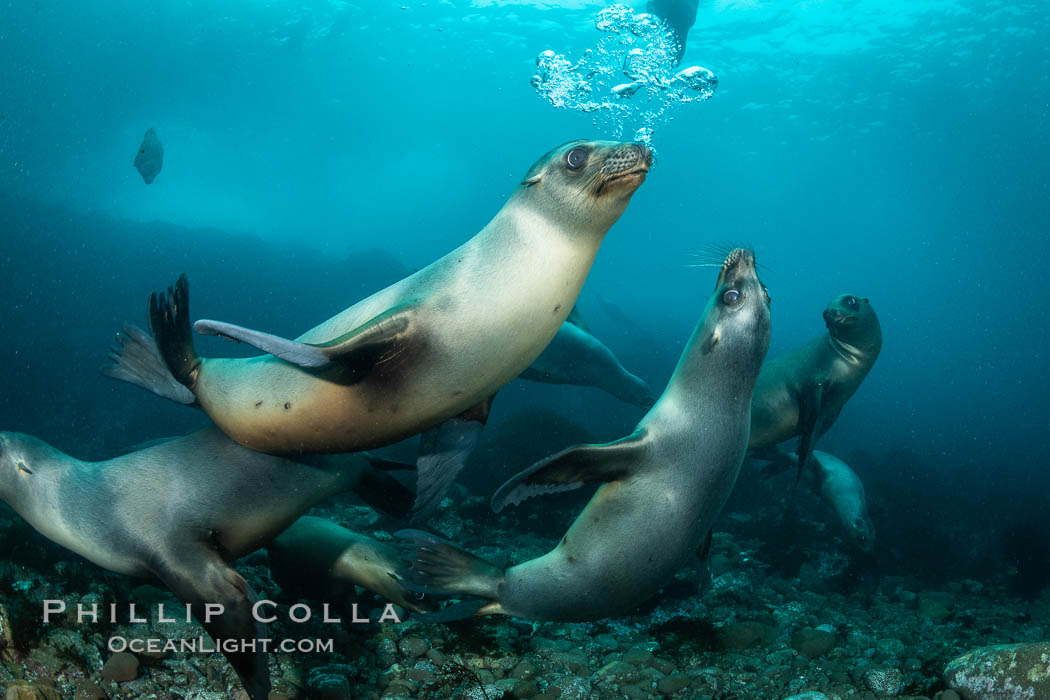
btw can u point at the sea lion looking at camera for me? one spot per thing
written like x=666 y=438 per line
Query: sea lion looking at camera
x=180 y=510
x=662 y=486
x=430 y=347
x=802 y=393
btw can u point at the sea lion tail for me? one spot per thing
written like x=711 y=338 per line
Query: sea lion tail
x=169 y=321
x=434 y=566
x=138 y=361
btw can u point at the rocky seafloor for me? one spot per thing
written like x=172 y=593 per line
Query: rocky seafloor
x=756 y=633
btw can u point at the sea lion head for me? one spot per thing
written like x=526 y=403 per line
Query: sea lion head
x=21 y=458
x=586 y=184
x=736 y=323
x=851 y=319
x=861 y=532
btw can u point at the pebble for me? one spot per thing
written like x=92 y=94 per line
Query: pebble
x=120 y=668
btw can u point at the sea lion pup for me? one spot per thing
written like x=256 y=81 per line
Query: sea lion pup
x=662 y=486
x=318 y=559
x=432 y=346
x=179 y=511
x=803 y=392
x=840 y=487
x=575 y=356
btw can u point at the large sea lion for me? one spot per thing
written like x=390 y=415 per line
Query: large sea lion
x=802 y=393
x=180 y=511
x=318 y=559
x=422 y=351
x=662 y=486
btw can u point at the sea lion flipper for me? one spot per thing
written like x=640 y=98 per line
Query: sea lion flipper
x=443 y=452
x=810 y=405
x=576 y=319
x=199 y=576
x=359 y=350
x=571 y=469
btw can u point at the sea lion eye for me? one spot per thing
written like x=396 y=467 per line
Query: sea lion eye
x=22 y=467
x=419 y=596
x=576 y=158
x=850 y=302
x=731 y=297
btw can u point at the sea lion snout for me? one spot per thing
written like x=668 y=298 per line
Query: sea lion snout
x=627 y=158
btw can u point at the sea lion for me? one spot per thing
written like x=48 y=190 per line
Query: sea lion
x=150 y=158
x=840 y=487
x=803 y=392
x=425 y=349
x=663 y=485
x=574 y=356
x=318 y=559
x=180 y=511
x=679 y=15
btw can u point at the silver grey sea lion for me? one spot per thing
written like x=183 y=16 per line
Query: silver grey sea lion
x=662 y=486
x=150 y=158
x=840 y=488
x=180 y=511
x=432 y=346
x=575 y=356
x=318 y=559
x=802 y=393
x=679 y=15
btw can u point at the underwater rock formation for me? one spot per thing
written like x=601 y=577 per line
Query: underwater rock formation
x=1014 y=671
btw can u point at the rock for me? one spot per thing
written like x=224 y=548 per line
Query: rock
x=812 y=643
x=618 y=672
x=933 y=608
x=1001 y=671
x=737 y=636
x=884 y=680
x=671 y=684
x=571 y=687
x=120 y=668
x=413 y=647
x=809 y=695
x=525 y=670
x=86 y=690
x=20 y=690
x=947 y=695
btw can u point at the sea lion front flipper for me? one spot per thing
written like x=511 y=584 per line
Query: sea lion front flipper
x=810 y=406
x=571 y=469
x=576 y=319
x=359 y=350
x=443 y=452
x=199 y=577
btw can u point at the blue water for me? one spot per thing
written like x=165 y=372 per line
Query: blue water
x=315 y=151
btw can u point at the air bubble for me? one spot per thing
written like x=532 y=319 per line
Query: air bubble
x=639 y=47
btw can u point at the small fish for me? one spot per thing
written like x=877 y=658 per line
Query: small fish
x=150 y=157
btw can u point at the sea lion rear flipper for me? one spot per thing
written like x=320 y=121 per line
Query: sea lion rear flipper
x=383 y=492
x=434 y=566
x=443 y=452
x=571 y=469
x=199 y=576
x=359 y=350
x=810 y=405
